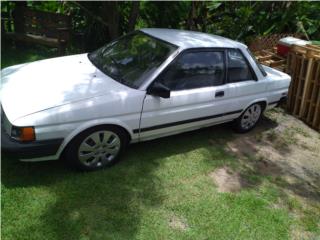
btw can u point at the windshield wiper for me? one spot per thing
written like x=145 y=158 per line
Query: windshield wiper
x=118 y=76
x=114 y=61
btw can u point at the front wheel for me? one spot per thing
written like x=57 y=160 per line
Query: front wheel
x=97 y=148
x=249 y=118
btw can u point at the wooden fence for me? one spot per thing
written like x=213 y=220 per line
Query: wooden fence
x=303 y=64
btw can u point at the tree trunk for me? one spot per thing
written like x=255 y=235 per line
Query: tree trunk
x=110 y=14
x=19 y=21
x=18 y=16
x=90 y=13
x=133 y=15
x=191 y=17
x=197 y=15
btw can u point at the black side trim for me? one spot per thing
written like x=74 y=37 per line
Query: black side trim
x=185 y=121
x=279 y=102
x=275 y=102
x=33 y=149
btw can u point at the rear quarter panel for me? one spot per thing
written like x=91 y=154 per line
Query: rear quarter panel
x=278 y=84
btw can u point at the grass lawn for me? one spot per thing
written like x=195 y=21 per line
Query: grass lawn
x=161 y=189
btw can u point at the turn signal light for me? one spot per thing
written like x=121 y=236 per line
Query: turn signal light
x=24 y=134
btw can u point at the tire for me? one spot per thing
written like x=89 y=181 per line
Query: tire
x=249 y=118
x=97 y=148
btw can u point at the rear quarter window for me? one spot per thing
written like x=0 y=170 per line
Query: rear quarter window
x=238 y=68
x=263 y=72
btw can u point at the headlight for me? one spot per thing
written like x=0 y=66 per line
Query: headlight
x=24 y=134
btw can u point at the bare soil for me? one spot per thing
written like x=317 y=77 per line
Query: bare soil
x=287 y=152
x=228 y=180
x=178 y=223
x=281 y=146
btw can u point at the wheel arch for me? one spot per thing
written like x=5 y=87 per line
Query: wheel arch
x=262 y=101
x=89 y=126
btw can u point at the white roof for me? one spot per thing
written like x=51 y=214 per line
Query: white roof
x=190 y=39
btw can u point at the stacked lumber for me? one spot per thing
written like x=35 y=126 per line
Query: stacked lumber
x=303 y=64
x=270 y=58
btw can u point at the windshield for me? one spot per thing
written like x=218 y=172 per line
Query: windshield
x=258 y=64
x=132 y=58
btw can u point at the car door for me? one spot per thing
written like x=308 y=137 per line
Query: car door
x=242 y=86
x=193 y=79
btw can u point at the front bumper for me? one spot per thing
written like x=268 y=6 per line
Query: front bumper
x=28 y=150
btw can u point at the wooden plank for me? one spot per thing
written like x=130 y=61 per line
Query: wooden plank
x=299 y=88
x=315 y=47
x=315 y=91
x=266 y=51
x=264 y=58
x=294 y=70
x=290 y=62
x=277 y=63
x=288 y=71
x=316 y=56
x=304 y=50
x=306 y=87
x=316 y=118
x=292 y=88
x=280 y=68
x=51 y=42
x=55 y=17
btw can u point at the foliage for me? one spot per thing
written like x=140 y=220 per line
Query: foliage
x=163 y=14
x=242 y=20
x=237 y=20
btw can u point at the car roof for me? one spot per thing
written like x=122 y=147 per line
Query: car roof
x=191 y=39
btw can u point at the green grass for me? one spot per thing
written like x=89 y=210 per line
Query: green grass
x=136 y=198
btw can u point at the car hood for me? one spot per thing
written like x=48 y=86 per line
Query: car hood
x=34 y=87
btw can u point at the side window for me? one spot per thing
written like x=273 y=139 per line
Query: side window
x=238 y=69
x=195 y=70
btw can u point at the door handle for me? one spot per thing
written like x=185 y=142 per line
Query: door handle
x=219 y=94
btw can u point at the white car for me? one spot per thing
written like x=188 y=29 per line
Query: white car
x=145 y=85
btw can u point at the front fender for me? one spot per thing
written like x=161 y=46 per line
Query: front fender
x=94 y=123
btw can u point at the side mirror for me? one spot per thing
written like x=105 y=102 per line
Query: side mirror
x=159 y=90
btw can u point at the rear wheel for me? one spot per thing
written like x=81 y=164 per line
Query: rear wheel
x=97 y=147
x=249 y=118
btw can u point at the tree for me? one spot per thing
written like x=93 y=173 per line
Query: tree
x=133 y=16
x=102 y=21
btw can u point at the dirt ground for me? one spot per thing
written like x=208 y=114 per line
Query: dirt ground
x=287 y=152
x=281 y=147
